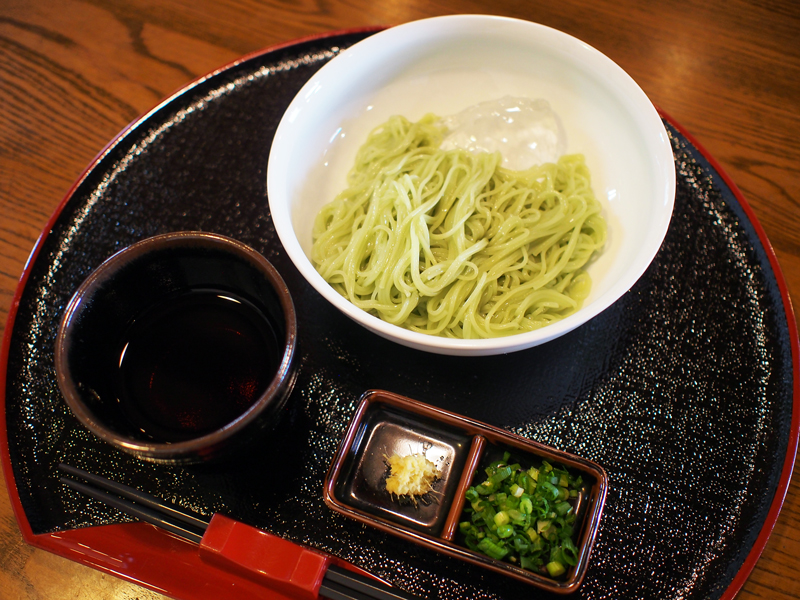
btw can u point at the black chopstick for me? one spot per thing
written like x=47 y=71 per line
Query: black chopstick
x=144 y=501
x=339 y=577
x=338 y=584
x=141 y=512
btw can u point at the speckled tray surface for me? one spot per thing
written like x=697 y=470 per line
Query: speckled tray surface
x=682 y=390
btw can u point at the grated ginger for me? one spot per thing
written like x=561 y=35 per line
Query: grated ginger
x=411 y=475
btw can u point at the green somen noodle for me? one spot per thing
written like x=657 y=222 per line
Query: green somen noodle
x=449 y=243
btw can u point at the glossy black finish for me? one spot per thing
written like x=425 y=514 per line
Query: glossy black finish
x=682 y=390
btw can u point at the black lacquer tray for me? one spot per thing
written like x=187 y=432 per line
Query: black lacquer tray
x=684 y=390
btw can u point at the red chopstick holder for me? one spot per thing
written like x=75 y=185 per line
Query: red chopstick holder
x=279 y=564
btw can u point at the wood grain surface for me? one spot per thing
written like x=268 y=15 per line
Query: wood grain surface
x=73 y=73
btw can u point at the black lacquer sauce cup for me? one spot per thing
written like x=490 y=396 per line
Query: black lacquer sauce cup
x=178 y=348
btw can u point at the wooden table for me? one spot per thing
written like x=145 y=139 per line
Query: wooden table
x=73 y=73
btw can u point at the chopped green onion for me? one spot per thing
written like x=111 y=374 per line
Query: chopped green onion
x=525 y=505
x=542 y=526
x=549 y=489
x=488 y=547
x=532 y=534
x=500 y=474
x=485 y=488
x=504 y=531
x=520 y=545
x=569 y=552
x=555 y=568
x=563 y=508
x=524 y=516
x=516 y=517
x=501 y=518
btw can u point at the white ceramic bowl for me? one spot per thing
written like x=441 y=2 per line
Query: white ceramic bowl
x=443 y=65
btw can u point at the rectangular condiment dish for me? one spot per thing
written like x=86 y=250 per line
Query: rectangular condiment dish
x=386 y=423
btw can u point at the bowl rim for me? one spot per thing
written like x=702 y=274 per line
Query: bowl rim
x=193 y=446
x=281 y=210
